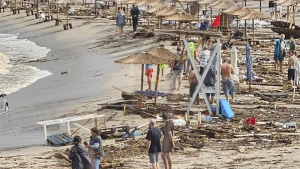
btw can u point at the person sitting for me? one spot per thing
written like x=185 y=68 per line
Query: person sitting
x=204 y=25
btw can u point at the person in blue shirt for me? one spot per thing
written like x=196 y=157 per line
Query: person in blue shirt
x=148 y=73
x=204 y=25
x=279 y=51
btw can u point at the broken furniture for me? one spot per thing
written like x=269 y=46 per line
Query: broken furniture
x=64 y=123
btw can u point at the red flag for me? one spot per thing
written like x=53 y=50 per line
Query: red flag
x=217 y=21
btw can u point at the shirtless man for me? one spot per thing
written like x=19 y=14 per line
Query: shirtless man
x=168 y=141
x=227 y=80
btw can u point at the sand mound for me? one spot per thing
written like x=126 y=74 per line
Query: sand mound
x=4 y=63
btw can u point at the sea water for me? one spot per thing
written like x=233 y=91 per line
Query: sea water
x=14 y=73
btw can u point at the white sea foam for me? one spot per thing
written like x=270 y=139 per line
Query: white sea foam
x=15 y=75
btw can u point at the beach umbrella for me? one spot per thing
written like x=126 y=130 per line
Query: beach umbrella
x=250 y=74
x=180 y=17
x=141 y=58
x=156 y=3
x=252 y=16
x=241 y=12
x=145 y=2
x=234 y=60
x=163 y=10
x=164 y=54
x=156 y=8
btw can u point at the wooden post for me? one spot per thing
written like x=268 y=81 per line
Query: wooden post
x=1 y=6
x=67 y=6
x=16 y=5
x=57 y=12
x=156 y=84
x=104 y=121
x=48 y=9
x=148 y=19
x=211 y=17
x=198 y=13
x=288 y=14
x=245 y=28
x=37 y=7
x=142 y=85
x=95 y=6
x=96 y=122
x=275 y=11
x=253 y=31
x=116 y=8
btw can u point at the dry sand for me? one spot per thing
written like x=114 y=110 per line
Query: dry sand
x=42 y=157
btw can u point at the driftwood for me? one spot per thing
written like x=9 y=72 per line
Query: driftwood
x=287 y=32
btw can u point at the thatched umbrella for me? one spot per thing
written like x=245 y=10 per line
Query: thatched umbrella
x=165 y=54
x=145 y=2
x=252 y=16
x=156 y=8
x=187 y=3
x=163 y=10
x=290 y=3
x=241 y=12
x=141 y=58
x=221 y=6
x=156 y=3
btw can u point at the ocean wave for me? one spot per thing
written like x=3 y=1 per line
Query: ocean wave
x=13 y=74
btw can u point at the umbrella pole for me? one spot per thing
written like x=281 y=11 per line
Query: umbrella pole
x=48 y=9
x=67 y=14
x=37 y=7
x=227 y=27
x=253 y=31
x=95 y=6
x=148 y=20
x=210 y=17
x=249 y=86
x=245 y=28
x=260 y=6
x=57 y=12
x=142 y=85
x=116 y=8
x=198 y=13
x=156 y=84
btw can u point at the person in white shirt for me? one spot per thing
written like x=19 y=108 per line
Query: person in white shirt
x=204 y=57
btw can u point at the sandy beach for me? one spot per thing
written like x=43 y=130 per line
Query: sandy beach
x=86 y=54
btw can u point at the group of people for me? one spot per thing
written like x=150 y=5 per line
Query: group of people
x=154 y=146
x=87 y=155
x=282 y=50
x=121 y=19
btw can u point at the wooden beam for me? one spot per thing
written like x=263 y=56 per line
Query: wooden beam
x=216 y=34
x=80 y=127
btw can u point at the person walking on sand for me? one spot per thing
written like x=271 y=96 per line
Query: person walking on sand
x=177 y=70
x=153 y=143
x=148 y=73
x=193 y=84
x=121 y=21
x=168 y=141
x=227 y=73
x=291 y=67
x=279 y=51
x=134 y=12
x=188 y=61
x=95 y=148
x=78 y=155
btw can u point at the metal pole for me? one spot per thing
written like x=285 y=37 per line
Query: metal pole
x=156 y=84
x=218 y=67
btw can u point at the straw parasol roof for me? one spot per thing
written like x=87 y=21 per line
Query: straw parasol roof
x=188 y=0
x=223 y=5
x=163 y=53
x=156 y=3
x=180 y=16
x=163 y=10
x=208 y=2
x=254 y=15
x=141 y=58
x=172 y=12
x=240 y=12
x=215 y=3
x=288 y=2
x=232 y=8
x=145 y=2
x=132 y=1
x=121 y=1
x=156 y=8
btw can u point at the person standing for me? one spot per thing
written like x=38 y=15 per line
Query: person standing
x=78 y=155
x=162 y=66
x=209 y=81
x=134 y=12
x=168 y=141
x=204 y=57
x=193 y=84
x=148 y=73
x=188 y=61
x=153 y=143
x=292 y=44
x=95 y=148
x=121 y=21
x=291 y=67
x=279 y=51
x=271 y=8
x=177 y=69
x=227 y=73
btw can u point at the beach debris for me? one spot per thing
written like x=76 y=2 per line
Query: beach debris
x=62 y=156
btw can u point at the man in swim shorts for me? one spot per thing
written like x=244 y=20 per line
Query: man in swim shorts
x=227 y=79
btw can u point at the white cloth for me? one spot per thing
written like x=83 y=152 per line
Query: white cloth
x=204 y=57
